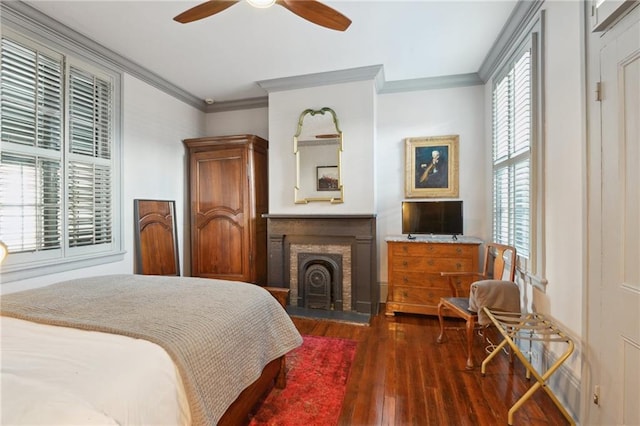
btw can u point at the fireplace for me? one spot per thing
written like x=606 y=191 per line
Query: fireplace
x=327 y=262
x=319 y=281
x=318 y=272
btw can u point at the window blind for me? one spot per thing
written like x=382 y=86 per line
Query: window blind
x=90 y=148
x=30 y=166
x=57 y=139
x=512 y=155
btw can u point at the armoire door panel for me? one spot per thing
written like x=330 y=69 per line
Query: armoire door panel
x=220 y=182
x=222 y=246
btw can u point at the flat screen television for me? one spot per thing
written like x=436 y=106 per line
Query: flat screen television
x=432 y=217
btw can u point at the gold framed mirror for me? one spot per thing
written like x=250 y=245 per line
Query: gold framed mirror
x=317 y=146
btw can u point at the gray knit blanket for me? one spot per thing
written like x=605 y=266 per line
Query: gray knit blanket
x=220 y=334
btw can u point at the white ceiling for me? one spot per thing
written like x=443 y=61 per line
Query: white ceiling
x=224 y=56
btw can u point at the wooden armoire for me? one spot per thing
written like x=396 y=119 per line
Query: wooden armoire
x=228 y=194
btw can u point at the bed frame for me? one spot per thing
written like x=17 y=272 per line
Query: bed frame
x=273 y=374
x=238 y=412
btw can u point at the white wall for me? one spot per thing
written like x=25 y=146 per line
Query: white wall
x=354 y=107
x=456 y=111
x=564 y=165
x=565 y=188
x=154 y=125
x=155 y=165
x=564 y=171
x=241 y=122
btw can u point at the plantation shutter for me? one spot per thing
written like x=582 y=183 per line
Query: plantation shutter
x=512 y=156
x=31 y=102
x=90 y=112
x=49 y=200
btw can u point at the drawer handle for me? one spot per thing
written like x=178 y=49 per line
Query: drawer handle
x=405 y=263
x=405 y=249
x=405 y=280
x=430 y=262
x=458 y=250
x=459 y=266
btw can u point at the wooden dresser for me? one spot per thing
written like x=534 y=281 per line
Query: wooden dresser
x=415 y=284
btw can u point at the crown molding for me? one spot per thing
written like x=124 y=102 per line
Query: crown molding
x=17 y=14
x=249 y=103
x=371 y=72
x=522 y=14
x=431 y=83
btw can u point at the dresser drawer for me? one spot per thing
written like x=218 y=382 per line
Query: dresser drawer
x=433 y=250
x=429 y=264
x=429 y=280
x=430 y=296
x=417 y=279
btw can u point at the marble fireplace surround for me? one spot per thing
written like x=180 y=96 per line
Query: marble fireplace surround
x=286 y=234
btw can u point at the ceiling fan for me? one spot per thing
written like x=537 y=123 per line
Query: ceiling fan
x=311 y=10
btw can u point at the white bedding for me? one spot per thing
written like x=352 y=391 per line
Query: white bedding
x=218 y=334
x=80 y=377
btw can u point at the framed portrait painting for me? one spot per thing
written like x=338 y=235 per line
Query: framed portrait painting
x=431 y=169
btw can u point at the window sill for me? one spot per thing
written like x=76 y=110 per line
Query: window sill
x=535 y=281
x=22 y=272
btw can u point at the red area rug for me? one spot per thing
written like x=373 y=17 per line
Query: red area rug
x=317 y=375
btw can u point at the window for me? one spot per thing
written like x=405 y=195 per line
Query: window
x=512 y=156
x=518 y=151
x=58 y=157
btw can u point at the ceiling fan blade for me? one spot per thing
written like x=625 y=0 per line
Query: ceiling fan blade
x=204 y=10
x=318 y=13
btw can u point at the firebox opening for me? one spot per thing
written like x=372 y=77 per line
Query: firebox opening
x=320 y=281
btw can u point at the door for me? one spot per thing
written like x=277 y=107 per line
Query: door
x=614 y=241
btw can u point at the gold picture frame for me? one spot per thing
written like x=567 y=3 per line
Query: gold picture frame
x=431 y=169
x=327 y=178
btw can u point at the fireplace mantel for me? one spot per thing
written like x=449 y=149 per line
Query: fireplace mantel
x=356 y=231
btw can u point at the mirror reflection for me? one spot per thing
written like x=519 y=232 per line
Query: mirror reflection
x=317 y=146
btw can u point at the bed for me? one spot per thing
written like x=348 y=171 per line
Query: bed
x=133 y=349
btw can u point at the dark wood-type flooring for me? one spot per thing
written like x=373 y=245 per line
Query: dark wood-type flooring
x=401 y=376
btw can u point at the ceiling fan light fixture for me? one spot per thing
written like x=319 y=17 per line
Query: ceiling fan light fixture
x=263 y=4
x=311 y=10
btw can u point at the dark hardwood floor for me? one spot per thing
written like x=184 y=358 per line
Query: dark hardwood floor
x=401 y=376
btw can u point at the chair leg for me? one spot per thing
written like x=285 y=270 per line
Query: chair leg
x=441 y=319
x=471 y=325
